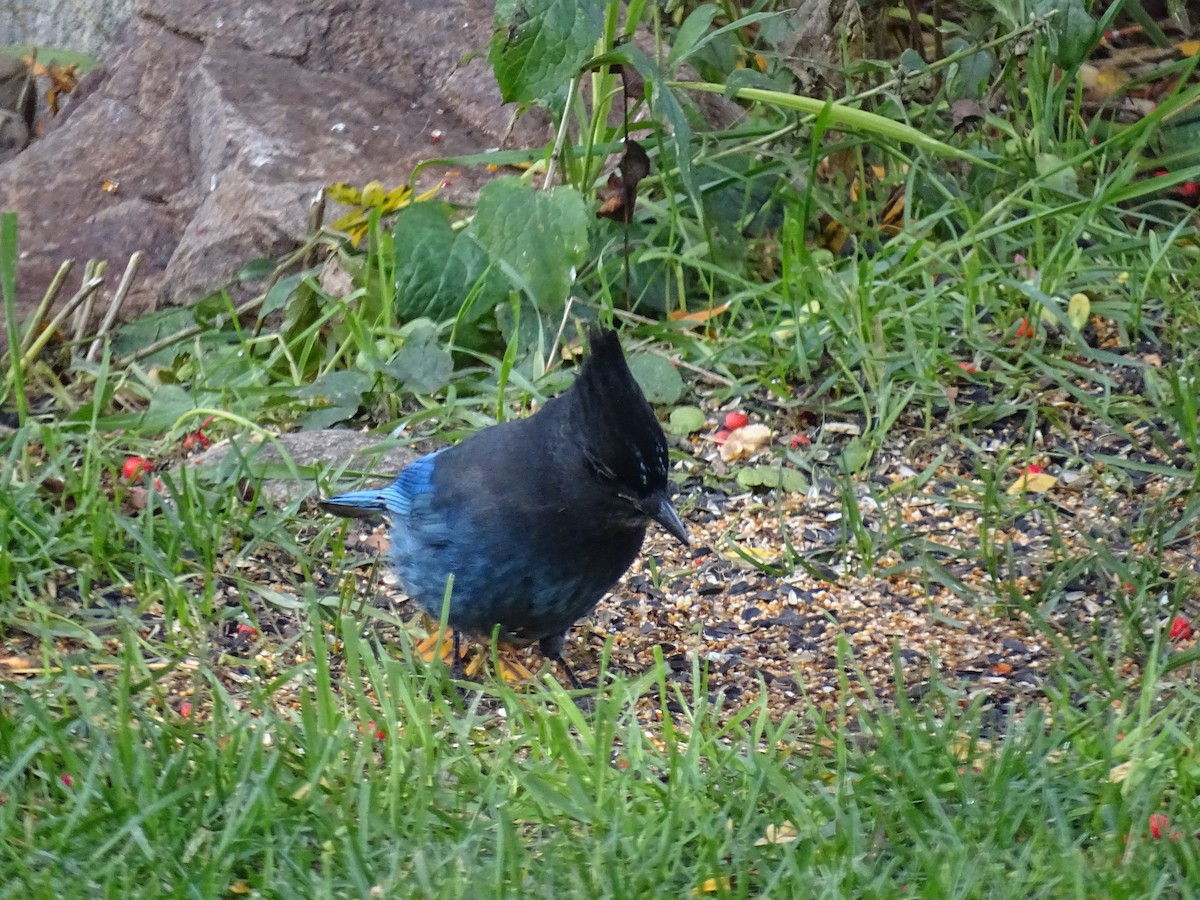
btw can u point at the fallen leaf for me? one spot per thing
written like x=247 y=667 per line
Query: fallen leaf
x=377 y=542
x=700 y=316
x=1119 y=773
x=965 y=112
x=745 y=441
x=783 y=833
x=842 y=428
x=1079 y=308
x=334 y=279
x=713 y=885
x=1032 y=483
x=1102 y=82
x=618 y=205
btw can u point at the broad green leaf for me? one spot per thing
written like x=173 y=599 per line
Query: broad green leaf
x=659 y=380
x=326 y=416
x=539 y=45
x=439 y=269
x=686 y=420
x=855 y=456
x=537 y=237
x=910 y=62
x=772 y=477
x=421 y=364
x=281 y=292
x=167 y=405
x=690 y=32
x=971 y=75
x=337 y=388
x=257 y=269
x=1071 y=33
x=1055 y=175
x=694 y=35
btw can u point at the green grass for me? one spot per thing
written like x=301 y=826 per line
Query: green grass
x=494 y=793
x=120 y=601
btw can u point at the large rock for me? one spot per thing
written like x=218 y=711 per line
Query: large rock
x=219 y=121
x=86 y=26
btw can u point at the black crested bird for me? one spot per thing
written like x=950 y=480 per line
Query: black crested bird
x=536 y=518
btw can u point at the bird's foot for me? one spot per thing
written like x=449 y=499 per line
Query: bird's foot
x=575 y=682
x=509 y=670
x=444 y=645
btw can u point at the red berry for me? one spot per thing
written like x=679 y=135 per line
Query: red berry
x=721 y=436
x=1034 y=469
x=135 y=466
x=1158 y=825
x=969 y=367
x=66 y=779
x=801 y=440
x=197 y=440
x=185 y=708
x=736 y=420
x=1181 y=629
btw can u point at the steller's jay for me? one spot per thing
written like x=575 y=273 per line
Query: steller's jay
x=536 y=518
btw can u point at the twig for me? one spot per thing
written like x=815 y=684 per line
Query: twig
x=114 y=306
x=93 y=271
x=15 y=668
x=561 y=137
x=316 y=218
x=562 y=325
x=47 y=299
x=85 y=290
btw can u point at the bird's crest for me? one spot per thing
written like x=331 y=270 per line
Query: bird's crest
x=614 y=423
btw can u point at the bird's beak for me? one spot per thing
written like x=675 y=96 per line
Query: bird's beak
x=658 y=507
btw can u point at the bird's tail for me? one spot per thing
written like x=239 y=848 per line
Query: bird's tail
x=356 y=504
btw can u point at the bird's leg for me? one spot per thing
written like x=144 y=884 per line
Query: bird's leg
x=551 y=648
x=456 y=666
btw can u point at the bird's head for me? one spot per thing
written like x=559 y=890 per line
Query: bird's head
x=620 y=435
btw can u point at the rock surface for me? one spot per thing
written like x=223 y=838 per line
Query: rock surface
x=218 y=122
x=330 y=450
